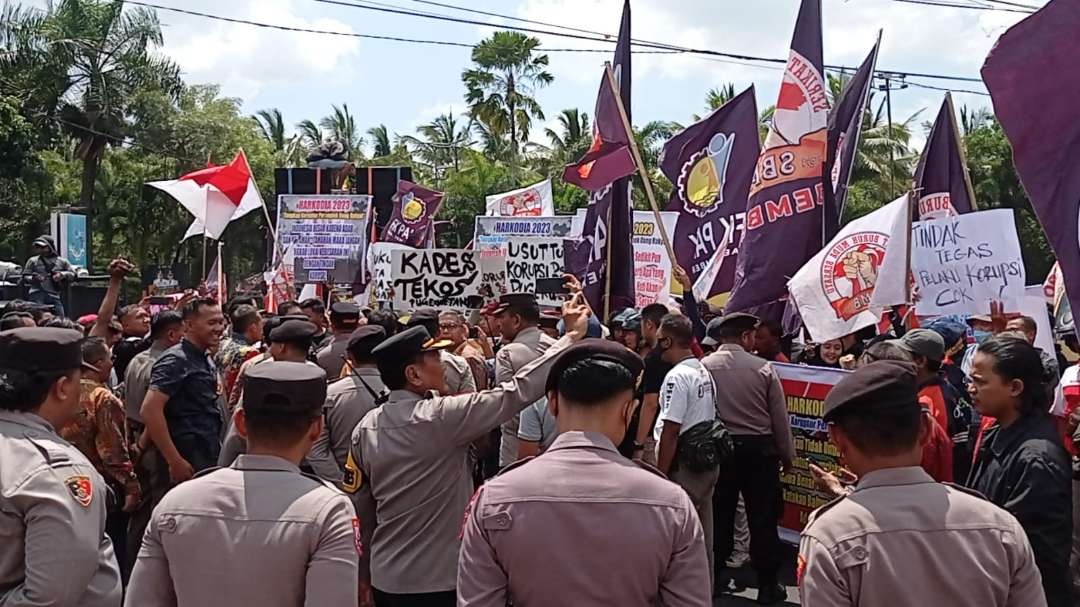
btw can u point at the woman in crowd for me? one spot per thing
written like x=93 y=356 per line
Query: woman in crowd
x=1021 y=464
x=823 y=355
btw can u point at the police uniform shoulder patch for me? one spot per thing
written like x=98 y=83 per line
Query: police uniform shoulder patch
x=521 y=462
x=353 y=477
x=81 y=488
x=209 y=470
x=649 y=467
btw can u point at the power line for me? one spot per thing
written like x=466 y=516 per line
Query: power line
x=357 y=35
x=656 y=45
x=976 y=7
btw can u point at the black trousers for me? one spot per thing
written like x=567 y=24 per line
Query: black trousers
x=754 y=471
x=428 y=599
x=116 y=527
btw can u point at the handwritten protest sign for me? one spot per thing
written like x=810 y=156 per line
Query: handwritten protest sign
x=379 y=262
x=530 y=258
x=328 y=235
x=439 y=278
x=805 y=389
x=492 y=278
x=962 y=263
x=652 y=266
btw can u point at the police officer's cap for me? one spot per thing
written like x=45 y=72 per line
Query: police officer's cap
x=37 y=349
x=293 y=331
x=420 y=316
x=284 y=387
x=515 y=300
x=595 y=349
x=736 y=322
x=364 y=339
x=886 y=385
x=406 y=345
x=345 y=310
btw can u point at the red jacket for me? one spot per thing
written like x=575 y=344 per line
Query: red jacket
x=937 y=454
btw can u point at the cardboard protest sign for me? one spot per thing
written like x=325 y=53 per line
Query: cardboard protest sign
x=439 y=278
x=492 y=279
x=805 y=389
x=328 y=235
x=379 y=261
x=528 y=259
x=652 y=266
x=962 y=263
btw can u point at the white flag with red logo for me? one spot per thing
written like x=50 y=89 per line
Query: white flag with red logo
x=530 y=201
x=215 y=195
x=861 y=271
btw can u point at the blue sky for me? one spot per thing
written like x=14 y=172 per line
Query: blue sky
x=403 y=85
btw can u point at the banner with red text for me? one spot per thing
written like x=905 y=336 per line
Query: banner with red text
x=652 y=266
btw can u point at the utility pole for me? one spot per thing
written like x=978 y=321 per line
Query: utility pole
x=889 y=82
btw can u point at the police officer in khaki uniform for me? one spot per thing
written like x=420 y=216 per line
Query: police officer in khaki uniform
x=518 y=316
x=750 y=402
x=258 y=532
x=412 y=452
x=901 y=539
x=456 y=370
x=53 y=547
x=533 y=534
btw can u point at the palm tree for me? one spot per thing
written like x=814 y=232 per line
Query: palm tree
x=500 y=88
x=91 y=58
x=310 y=134
x=972 y=119
x=341 y=127
x=574 y=136
x=441 y=143
x=272 y=126
x=717 y=97
x=380 y=141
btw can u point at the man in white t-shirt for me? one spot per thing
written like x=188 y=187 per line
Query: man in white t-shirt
x=687 y=398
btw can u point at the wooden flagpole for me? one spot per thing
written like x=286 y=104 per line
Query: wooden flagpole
x=269 y=225
x=640 y=166
x=607 y=267
x=960 y=149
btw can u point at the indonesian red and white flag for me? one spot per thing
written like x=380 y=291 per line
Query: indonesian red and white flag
x=215 y=195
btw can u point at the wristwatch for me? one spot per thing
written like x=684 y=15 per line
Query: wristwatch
x=639 y=446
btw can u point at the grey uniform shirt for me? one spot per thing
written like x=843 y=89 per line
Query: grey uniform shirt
x=256 y=533
x=582 y=525
x=458 y=374
x=137 y=380
x=53 y=547
x=330 y=357
x=526 y=347
x=901 y=539
x=749 y=399
x=537 y=424
x=412 y=452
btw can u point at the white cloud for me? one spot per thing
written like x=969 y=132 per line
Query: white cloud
x=245 y=59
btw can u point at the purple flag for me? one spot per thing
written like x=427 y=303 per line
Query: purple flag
x=609 y=158
x=711 y=164
x=845 y=126
x=411 y=222
x=941 y=179
x=1029 y=73
x=784 y=217
x=609 y=213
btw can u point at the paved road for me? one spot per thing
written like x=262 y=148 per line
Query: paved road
x=745 y=578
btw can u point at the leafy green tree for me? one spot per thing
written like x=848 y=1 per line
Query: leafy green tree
x=380 y=141
x=466 y=190
x=287 y=150
x=501 y=85
x=341 y=126
x=438 y=148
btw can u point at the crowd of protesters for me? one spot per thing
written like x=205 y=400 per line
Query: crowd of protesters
x=214 y=454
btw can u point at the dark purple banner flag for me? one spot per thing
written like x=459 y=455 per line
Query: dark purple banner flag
x=1029 y=74
x=941 y=179
x=609 y=213
x=784 y=214
x=609 y=158
x=414 y=208
x=711 y=164
x=845 y=125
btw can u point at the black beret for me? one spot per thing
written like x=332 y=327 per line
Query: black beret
x=293 y=330
x=407 y=344
x=879 y=386
x=35 y=349
x=736 y=321
x=594 y=349
x=364 y=339
x=345 y=309
x=516 y=300
x=283 y=387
